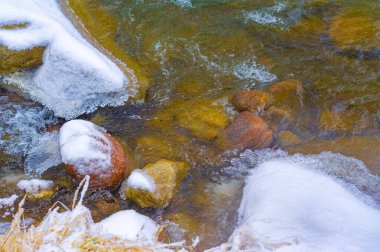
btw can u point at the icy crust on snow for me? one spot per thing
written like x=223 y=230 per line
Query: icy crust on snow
x=130 y=225
x=305 y=203
x=84 y=145
x=140 y=180
x=75 y=77
x=34 y=185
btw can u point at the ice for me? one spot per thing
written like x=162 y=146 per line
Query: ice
x=130 y=225
x=84 y=145
x=34 y=185
x=140 y=180
x=301 y=203
x=44 y=155
x=75 y=78
x=183 y=3
x=23 y=124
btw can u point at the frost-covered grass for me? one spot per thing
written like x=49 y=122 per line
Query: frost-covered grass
x=74 y=230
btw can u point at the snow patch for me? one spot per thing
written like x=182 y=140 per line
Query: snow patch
x=75 y=77
x=34 y=185
x=130 y=225
x=298 y=203
x=84 y=145
x=8 y=202
x=140 y=180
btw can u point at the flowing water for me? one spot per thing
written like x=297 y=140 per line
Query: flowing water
x=194 y=55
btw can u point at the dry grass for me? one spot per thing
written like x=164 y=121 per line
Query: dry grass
x=73 y=230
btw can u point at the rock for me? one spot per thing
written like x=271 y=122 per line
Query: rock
x=203 y=118
x=288 y=138
x=87 y=149
x=356 y=31
x=248 y=131
x=250 y=100
x=279 y=117
x=353 y=120
x=364 y=148
x=12 y=61
x=152 y=149
x=288 y=92
x=156 y=184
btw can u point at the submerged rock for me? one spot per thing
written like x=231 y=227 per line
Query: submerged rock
x=354 y=30
x=247 y=130
x=12 y=60
x=250 y=100
x=289 y=93
x=288 y=138
x=87 y=149
x=156 y=184
x=203 y=118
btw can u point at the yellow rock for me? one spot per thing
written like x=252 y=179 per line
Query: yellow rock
x=289 y=92
x=204 y=119
x=97 y=23
x=167 y=176
x=288 y=138
x=12 y=61
x=41 y=195
x=152 y=149
x=352 y=29
x=353 y=120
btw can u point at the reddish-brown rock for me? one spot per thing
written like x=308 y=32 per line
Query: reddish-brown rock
x=87 y=149
x=250 y=100
x=248 y=131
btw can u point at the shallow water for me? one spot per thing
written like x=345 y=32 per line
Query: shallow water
x=196 y=54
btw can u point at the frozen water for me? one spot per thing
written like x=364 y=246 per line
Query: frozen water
x=23 y=124
x=43 y=155
x=75 y=78
x=305 y=203
x=34 y=185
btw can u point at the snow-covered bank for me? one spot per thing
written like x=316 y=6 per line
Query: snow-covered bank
x=75 y=77
x=292 y=204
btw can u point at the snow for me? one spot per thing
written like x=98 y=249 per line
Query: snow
x=43 y=155
x=84 y=145
x=34 y=185
x=296 y=203
x=75 y=78
x=140 y=180
x=8 y=202
x=130 y=225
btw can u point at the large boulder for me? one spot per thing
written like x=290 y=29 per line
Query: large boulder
x=87 y=149
x=156 y=184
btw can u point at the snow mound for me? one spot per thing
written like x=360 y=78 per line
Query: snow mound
x=75 y=77
x=84 y=145
x=130 y=225
x=298 y=204
x=140 y=180
x=34 y=185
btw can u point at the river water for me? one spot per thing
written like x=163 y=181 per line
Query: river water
x=197 y=54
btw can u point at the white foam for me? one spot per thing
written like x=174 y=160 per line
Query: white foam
x=34 y=185
x=140 y=180
x=290 y=204
x=75 y=78
x=130 y=225
x=84 y=146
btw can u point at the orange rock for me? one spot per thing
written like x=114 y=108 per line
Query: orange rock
x=87 y=149
x=248 y=131
x=250 y=100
